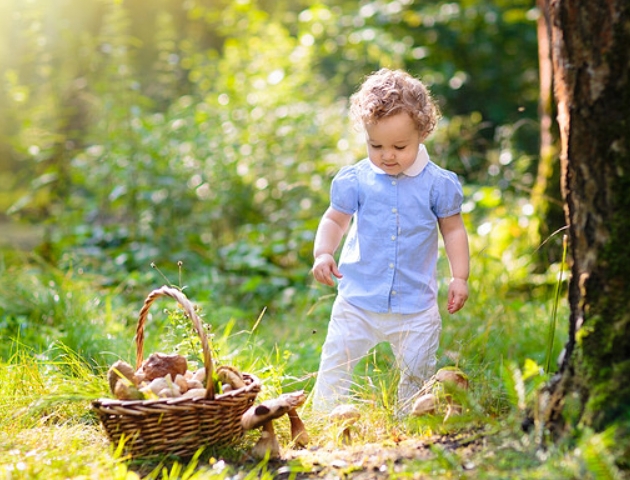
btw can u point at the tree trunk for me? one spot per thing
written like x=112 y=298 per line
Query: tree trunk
x=591 y=61
x=545 y=194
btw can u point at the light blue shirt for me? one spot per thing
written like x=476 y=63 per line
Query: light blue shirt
x=389 y=258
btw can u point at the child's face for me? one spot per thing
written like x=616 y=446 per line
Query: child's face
x=393 y=143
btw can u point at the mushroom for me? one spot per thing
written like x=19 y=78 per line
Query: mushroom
x=299 y=435
x=192 y=384
x=181 y=383
x=453 y=376
x=199 y=375
x=118 y=371
x=230 y=376
x=452 y=409
x=345 y=416
x=194 y=393
x=267 y=445
x=262 y=415
x=162 y=387
x=156 y=385
x=160 y=365
x=438 y=388
x=424 y=404
x=452 y=379
x=125 y=390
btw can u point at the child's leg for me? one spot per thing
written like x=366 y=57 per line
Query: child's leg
x=348 y=340
x=415 y=346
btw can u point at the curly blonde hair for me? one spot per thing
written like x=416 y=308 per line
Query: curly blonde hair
x=388 y=92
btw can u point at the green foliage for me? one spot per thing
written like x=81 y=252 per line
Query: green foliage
x=42 y=307
x=207 y=132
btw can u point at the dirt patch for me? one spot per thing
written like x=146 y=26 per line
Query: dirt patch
x=375 y=461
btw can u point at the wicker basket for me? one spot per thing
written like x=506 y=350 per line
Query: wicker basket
x=177 y=426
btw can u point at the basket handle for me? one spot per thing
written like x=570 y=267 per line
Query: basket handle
x=190 y=311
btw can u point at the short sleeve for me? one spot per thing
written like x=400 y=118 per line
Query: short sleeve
x=344 y=191
x=447 y=195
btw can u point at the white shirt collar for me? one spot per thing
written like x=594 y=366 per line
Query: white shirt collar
x=416 y=167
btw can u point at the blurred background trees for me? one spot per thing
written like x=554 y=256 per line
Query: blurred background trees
x=207 y=131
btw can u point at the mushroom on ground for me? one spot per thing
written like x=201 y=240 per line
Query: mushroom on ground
x=345 y=416
x=453 y=380
x=453 y=376
x=430 y=399
x=299 y=435
x=424 y=405
x=262 y=415
x=258 y=415
x=267 y=445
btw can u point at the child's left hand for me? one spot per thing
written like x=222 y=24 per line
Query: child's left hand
x=457 y=294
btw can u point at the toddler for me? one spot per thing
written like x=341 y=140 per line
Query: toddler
x=391 y=206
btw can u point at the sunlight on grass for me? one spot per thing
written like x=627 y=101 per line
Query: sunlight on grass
x=499 y=340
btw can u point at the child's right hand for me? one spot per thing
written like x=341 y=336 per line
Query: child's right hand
x=457 y=294
x=324 y=268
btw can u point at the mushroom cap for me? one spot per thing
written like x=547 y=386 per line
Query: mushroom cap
x=124 y=391
x=258 y=415
x=199 y=375
x=293 y=399
x=347 y=414
x=195 y=393
x=120 y=369
x=230 y=376
x=160 y=365
x=424 y=404
x=453 y=376
x=158 y=384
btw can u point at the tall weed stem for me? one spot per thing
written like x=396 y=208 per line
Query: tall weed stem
x=554 y=314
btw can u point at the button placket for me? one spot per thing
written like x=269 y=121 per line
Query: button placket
x=394 y=239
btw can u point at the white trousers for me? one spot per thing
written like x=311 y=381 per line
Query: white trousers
x=352 y=332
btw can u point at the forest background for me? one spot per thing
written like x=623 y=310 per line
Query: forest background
x=196 y=140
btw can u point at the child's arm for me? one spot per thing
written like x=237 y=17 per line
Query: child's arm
x=456 y=246
x=331 y=230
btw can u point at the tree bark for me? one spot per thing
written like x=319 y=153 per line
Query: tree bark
x=591 y=62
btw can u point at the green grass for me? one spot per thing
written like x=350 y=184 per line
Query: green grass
x=49 y=376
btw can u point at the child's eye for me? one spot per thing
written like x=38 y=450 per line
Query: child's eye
x=400 y=148
x=376 y=147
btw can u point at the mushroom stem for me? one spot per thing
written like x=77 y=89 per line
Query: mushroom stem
x=298 y=431
x=346 y=439
x=267 y=445
x=345 y=416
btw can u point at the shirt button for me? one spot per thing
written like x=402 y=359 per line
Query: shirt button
x=393 y=237
x=394 y=210
x=394 y=292
x=391 y=265
x=393 y=182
